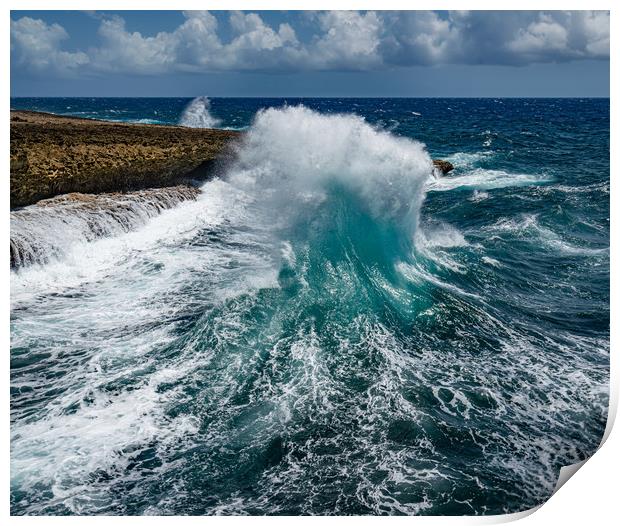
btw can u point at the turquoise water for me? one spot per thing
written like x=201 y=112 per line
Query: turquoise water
x=329 y=328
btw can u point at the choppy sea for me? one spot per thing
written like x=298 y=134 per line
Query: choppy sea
x=331 y=327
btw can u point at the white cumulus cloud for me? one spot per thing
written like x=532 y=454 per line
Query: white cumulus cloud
x=349 y=40
x=37 y=46
x=340 y=40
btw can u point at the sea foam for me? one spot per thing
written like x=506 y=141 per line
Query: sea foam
x=293 y=156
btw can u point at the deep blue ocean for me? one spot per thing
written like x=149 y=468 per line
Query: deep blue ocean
x=331 y=327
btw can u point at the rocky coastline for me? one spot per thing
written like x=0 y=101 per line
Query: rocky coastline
x=53 y=155
x=95 y=178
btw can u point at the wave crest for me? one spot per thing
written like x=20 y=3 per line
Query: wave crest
x=295 y=156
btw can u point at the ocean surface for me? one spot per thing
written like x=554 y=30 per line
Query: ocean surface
x=330 y=328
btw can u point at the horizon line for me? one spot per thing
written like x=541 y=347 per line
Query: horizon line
x=297 y=97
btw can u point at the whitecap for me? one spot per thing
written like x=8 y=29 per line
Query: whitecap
x=440 y=235
x=491 y=261
x=467 y=160
x=481 y=179
x=479 y=195
x=528 y=226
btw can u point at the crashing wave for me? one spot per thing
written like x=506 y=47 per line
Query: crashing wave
x=282 y=318
x=294 y=158
x=294 y=164
x=197 y=114
x=49 y=228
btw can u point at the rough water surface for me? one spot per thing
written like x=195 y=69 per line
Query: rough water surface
x=53 y=227
x=329 y=328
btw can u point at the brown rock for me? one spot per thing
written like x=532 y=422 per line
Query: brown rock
x=53 y=155
x=443 y=166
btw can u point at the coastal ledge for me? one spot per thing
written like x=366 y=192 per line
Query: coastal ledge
x=52 y=155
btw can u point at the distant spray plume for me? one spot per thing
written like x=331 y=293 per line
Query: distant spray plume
x=197 y=114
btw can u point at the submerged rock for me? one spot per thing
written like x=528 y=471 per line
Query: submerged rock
x=443 y=166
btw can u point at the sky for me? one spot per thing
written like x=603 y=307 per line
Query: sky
x=304 y=53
